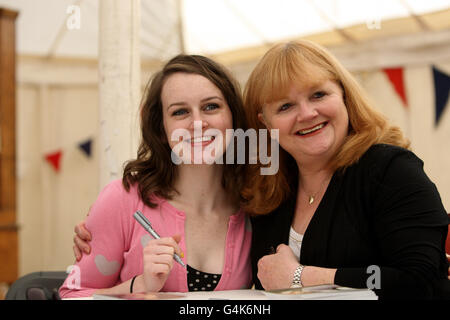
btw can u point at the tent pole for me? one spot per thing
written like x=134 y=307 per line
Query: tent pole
x=119 y=85
x=179 y=5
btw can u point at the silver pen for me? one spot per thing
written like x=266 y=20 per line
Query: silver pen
x=143 y=221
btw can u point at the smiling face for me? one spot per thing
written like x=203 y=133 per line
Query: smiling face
x=312 y=120
x=193 y=104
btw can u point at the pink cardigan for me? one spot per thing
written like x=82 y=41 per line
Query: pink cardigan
x=118 y=240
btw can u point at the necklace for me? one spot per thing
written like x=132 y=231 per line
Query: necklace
x=312 y=197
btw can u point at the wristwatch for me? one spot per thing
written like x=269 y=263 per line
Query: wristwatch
x=297 y=280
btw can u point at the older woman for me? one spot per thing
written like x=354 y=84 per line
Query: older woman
x=350 y=205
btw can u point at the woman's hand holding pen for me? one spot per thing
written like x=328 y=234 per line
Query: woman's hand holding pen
x=158 y=262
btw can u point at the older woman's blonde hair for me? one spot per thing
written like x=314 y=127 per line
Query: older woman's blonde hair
x=306 y=62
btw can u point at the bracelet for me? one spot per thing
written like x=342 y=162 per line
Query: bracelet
x=297 y=280
x=131 y=285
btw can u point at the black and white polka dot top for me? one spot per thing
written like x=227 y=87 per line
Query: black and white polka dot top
x=201 y=281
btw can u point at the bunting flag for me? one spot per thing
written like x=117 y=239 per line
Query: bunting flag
x=54 y=159
x=441 y=91
x=395 y=76
x=85 y=146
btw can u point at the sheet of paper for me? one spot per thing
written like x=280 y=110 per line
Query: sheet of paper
x=332 y=292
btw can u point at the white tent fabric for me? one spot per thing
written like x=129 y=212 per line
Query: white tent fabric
x=201 y=26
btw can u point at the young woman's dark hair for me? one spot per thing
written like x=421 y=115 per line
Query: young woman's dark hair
x=153 y=170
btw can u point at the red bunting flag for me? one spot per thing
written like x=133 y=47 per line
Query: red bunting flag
x=395 y=76
x=54 y=159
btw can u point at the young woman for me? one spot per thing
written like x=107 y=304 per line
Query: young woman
x=194 y=207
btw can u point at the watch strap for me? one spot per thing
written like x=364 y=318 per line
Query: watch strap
x=297 y=280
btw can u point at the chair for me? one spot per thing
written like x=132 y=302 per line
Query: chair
x=37 y=286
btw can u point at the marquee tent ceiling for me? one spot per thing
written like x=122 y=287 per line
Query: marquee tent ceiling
x=217 y=26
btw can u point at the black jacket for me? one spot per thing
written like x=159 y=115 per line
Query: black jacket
x=381 y=211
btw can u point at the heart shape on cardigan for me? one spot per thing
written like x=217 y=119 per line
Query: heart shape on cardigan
x=106 y=268
x=145 y=239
